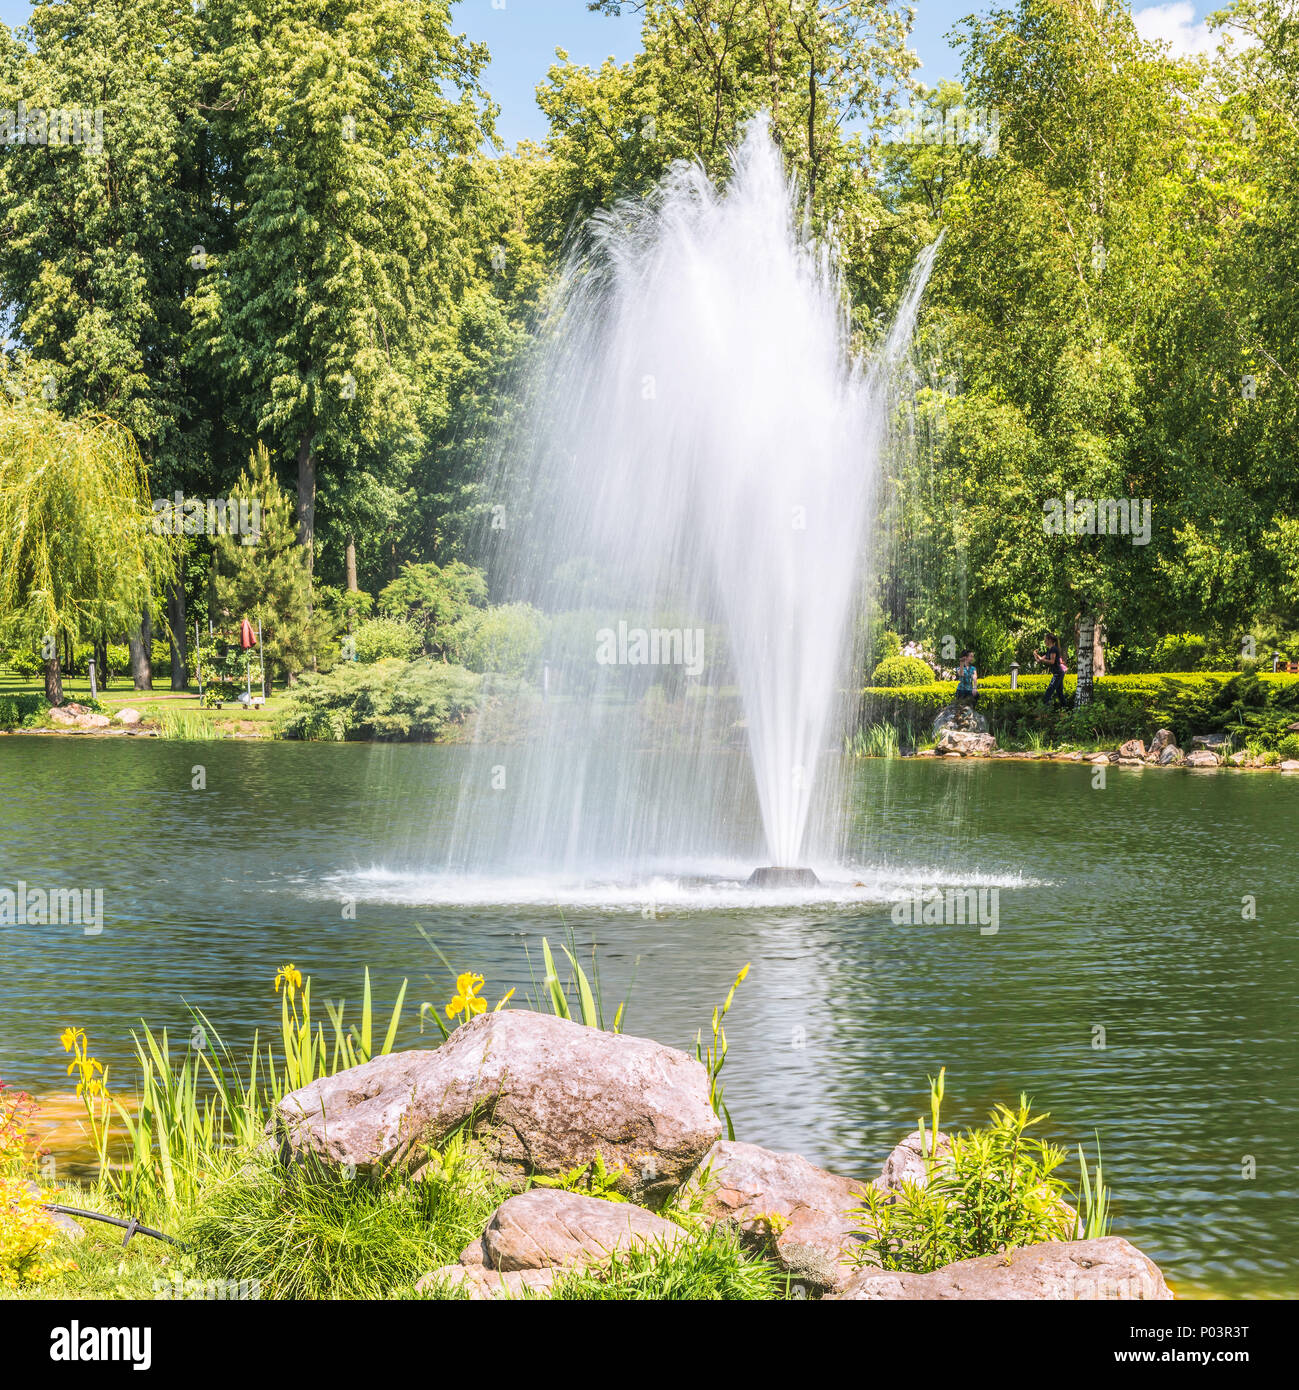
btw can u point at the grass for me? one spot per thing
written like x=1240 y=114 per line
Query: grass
x=304 y=1234
x=713 y=1268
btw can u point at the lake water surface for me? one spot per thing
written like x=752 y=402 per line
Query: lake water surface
x=1125 y=989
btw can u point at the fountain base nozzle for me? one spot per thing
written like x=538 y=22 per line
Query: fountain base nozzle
x=774 y=877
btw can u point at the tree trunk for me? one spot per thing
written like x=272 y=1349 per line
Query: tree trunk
x=307 y=495
x=141 y=647
x=53 y=681
x=1085 y=652
x=179 y=633
x=352 y=585
x=101 y=664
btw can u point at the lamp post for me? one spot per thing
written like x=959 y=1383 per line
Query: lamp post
x=1014 y=675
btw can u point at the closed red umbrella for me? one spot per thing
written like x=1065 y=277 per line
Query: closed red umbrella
x=246 y=636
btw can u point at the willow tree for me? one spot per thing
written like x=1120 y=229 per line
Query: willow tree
x=80 y=557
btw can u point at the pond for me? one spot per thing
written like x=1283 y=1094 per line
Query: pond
x=1140 y=982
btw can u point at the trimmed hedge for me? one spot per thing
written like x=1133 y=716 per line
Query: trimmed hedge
x=1255 y=708
x=896 y=671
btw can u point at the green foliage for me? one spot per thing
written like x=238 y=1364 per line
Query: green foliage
x=435 y=600
x=592 y=1179
x=1288 y=747
x=418 y=701
x=320 y=1234
x=713 y=1057
x=1184 y=652
x=505 y=639
x=378 y=639
x=78 y=553
x=902 y=670
x=1246 y=705
x=713 y=1268
x=876 y=740
x=269 y=580
x=996 y=1188
x=15 y=710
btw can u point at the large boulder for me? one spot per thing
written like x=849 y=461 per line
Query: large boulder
x=800 y=1215
x=959 y=716
x=1133 y=748
x=1109 y=1268
x=966 y=744
x=535 y=1235
x=1202 y=757
x=128 y=716
x=1163 y=738
x=538 y=1095
x=75 y=716
x=1169 y=754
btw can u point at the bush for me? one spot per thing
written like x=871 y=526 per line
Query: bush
x=17 y=710
x=902 y=670
x=1183 y=652
x=378 y=639
x=412 y=700
x=434 y=599
x=995 y=1189
x=1288 y=747
x=25 y=663
x=506 y=640
x=1251 y=707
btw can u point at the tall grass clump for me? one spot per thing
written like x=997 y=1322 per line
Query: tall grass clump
x=315 y=1233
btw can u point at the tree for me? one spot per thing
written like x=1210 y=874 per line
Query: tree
x=79 y=556
x=435 y=601
x=351 y=130
x=268 y=581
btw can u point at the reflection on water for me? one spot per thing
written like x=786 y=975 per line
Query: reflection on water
x=1123 y=989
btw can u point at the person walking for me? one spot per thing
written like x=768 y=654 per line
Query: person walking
x=1053 y=659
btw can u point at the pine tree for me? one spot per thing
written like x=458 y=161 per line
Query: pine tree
x=267 y=581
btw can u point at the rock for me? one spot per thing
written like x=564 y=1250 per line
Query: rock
x=545 y=1228
x=1169 y=754
x=1238 y=759
x=538 y=1094
x=1290 y=765
x=532 y=1237
x=1109 y=1268
x=480 y=1283
x=959 y=716
x=75 y=716
x=1201 y=758
x=1099 y=758
x=813 y=1239
x=907 y=1164
x=966 y=744
x=1132 y=762
x=1133 y=748
x=129 y=717
x=1163 y=739
x=1208 y=740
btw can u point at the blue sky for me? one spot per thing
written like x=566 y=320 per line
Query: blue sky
x=523 y=36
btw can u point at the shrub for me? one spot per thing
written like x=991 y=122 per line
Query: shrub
x=902 y=670
x=434 y=599
x=413 y=700
x=377 y=639
x=996 y=1188
x=25 y=663
x=1250 y=707
x=1288 y=747
x=22 y=711
x=1184 y=651
x=26 y=1235
x=506 y=640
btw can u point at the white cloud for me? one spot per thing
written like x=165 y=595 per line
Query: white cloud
x=1175 y=25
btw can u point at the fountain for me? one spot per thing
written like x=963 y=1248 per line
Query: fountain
x=685 y=488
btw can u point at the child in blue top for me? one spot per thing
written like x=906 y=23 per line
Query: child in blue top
x=967 y=680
